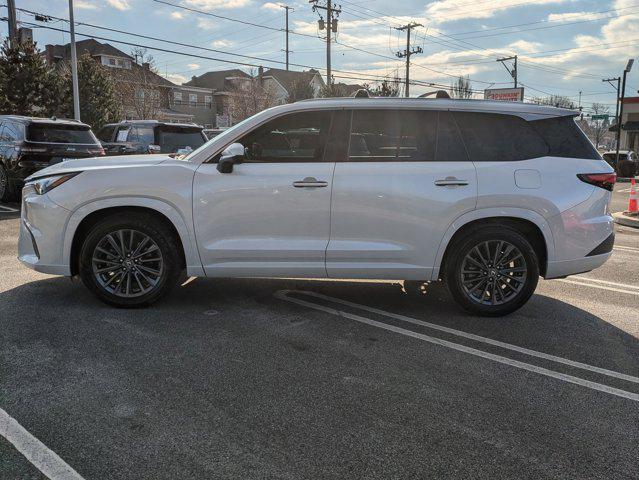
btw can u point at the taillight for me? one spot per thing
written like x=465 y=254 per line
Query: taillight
x=602 y=180
x=97 y=152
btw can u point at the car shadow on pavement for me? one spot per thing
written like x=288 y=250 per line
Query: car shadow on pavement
x=544 y=324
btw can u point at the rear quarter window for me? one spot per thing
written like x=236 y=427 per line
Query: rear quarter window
x=565 y=138
x=492 y=137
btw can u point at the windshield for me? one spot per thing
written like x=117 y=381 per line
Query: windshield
x=219 y=138
x=48 y=133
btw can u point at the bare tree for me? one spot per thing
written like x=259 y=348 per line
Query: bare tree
x=555 y=101
x=248 y=97
x=597 y=129
x=461 y=88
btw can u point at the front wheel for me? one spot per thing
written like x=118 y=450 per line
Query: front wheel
x=492 y=272
x=130 y=262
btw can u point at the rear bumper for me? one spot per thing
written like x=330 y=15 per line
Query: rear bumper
x=564 y=268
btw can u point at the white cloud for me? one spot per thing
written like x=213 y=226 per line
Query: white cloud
x=216 y=4
x=206 y=23
x=85 y=5
x=119 y=4
x=524 y=46
x=177 y=15
x=221 y=43
x=271 y=6
x=450 y=10
x=176 y=78
x=193 y=66
x=573 y=16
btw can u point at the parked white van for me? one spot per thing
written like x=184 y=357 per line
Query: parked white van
x=486 y=196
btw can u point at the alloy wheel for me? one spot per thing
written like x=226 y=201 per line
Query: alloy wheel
x=127 y=263
x=493 y=272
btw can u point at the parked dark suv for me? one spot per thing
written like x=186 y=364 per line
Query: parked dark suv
x=150 y=136
x=29 y=144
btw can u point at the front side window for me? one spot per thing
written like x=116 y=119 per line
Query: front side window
x=142 y=134
x=105 y=134
x=297 y=137
x=491 y=137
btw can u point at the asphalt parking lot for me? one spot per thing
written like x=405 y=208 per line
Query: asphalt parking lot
x=287 y=379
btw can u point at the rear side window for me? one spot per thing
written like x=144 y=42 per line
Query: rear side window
x=450 y=147
x=393 y=135
x=491 y=137
x=105 y=134
x=565 y=138
x=172 y=140
x=60 y=134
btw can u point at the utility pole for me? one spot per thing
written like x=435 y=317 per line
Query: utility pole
x=622 y=95
x=581 y=113
x=13 y=23
x=513 y=72
x=408 y=52
x=287 y=8
x=618 y=90
x=74 y=66
x=332 y=12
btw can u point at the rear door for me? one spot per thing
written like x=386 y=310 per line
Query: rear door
x=406 y=178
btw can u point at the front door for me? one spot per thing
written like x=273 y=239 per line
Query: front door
x=406 y=179
x=270 y=216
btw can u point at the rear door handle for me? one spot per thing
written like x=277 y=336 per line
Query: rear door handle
x=310 y=182
x=451 y=182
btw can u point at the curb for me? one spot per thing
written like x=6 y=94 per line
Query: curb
x=626 y=179
x=626 y=220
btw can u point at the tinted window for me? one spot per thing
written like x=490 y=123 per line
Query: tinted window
x=491 y=137
x=393 y=135
x=172 y=140
x=105 y=134
x=450 y=147
x=60 y=134
x=298 y=137
x=142 y=134
x=565 y=138
x=11 y=132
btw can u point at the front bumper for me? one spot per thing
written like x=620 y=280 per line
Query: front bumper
x=42 y=225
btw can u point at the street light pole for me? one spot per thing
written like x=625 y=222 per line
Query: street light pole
x=74 y=66
x=622 y=95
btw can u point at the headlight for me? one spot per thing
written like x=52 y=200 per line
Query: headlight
x=46 y=184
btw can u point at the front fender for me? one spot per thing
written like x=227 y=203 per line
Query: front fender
x=183 y=226
x=485 y=213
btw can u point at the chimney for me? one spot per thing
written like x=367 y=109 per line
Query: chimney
x=146 y=66
x=48 y=54
x=260 y=70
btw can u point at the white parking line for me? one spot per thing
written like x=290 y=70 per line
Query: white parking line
x=624 y=248
x=600 y=286
x=606 y=282
x=45 y=460
x=284 y=295
x=5 y=209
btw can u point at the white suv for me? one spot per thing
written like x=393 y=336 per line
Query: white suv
x=484 y=195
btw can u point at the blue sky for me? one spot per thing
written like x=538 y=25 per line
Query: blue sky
x=564 y=46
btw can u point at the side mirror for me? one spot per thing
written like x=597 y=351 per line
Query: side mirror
x=154 y=148
x=231 y=155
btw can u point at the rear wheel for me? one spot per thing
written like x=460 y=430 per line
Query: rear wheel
x=6 y=189
x=131 y=262
x=492 y=272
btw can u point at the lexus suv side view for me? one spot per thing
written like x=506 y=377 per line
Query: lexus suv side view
x=486 y=196
x=28 y=144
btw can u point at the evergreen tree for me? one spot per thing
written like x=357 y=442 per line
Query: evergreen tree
x=27 y=85
x=99 y=103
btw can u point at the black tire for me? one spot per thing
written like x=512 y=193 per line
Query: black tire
x=141 y=225
x=7 y=192
x=503 y=280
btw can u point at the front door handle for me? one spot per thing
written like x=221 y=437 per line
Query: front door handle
x=451 y=182
x=310 y=182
